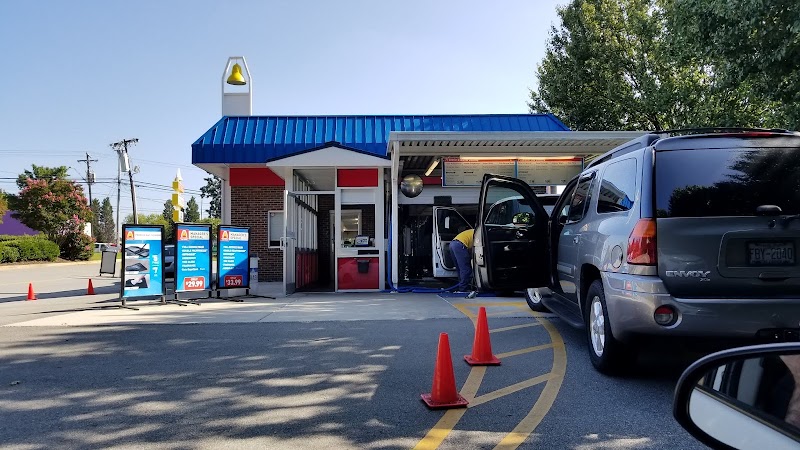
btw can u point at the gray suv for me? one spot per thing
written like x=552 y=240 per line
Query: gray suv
x=669 y=235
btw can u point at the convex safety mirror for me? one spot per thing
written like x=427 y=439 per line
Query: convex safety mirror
x=745 y=398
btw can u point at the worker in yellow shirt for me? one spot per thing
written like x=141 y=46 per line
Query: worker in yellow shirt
x=461 y=248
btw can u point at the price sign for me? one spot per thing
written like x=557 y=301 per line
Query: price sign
x=549 y=171
x=233 y=257
x=460 y=172
x=233 y=281
x=194 y=283
x=192 y=257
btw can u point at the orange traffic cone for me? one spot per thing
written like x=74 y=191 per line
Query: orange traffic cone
x=443 y=393
x=90 y=289
x=482 y=347
x=31 y=295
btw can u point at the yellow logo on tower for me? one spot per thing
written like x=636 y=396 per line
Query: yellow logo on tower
x=184 y=235
x=223 y=235
x=129 y=235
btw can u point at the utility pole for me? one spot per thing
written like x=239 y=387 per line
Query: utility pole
x=124 y=165
x=89 y=174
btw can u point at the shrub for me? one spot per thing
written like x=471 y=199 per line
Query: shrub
x=49 y=249
x=30 y=248
x=77 y=247
x=8 y=254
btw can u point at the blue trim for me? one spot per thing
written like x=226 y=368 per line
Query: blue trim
x=258 y=139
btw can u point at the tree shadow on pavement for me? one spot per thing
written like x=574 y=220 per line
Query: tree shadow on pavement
x=196 y=386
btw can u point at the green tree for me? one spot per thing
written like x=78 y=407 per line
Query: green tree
x=42 y=173
x=213 y=191
x=169 y=224
x=149 y=219
x=744 y=42
x=3 y=205
x=108 y=228
x=609 y=66
x=192 y=212
x=57 y=208
x=96 y=230
x=214 y=222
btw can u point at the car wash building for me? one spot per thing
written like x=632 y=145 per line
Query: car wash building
x=362 y=202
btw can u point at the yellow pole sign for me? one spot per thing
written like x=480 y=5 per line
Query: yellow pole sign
x=178 y=204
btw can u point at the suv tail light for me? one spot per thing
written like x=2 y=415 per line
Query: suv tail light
x=642 y=243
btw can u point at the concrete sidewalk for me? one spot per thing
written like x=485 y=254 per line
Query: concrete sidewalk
x=299 y=307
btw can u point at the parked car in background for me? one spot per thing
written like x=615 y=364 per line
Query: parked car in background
x=169 y=261
x=690 y=234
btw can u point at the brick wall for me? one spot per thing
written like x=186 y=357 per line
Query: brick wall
x=249 y=206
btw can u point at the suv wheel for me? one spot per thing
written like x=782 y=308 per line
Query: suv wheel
x=533 y=296
x=608 y=355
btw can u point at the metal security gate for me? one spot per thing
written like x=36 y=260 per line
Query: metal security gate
x=299 y=242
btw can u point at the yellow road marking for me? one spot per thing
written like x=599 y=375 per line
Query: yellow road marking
x=522 y=351
x=508 y=390
x=445 y=425
x=514 y=327
x=554 y=379
x=549 y=393
x=487 y=304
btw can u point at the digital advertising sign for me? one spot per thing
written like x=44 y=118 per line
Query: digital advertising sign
x=233 y=257
x=142 y=265
x=192 y=257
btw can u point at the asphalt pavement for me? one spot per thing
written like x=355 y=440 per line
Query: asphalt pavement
x=312 y=370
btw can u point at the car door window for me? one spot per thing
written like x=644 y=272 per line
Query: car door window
x=581 y=199
x=618 y=188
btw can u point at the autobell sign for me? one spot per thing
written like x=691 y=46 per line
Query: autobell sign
x=233 y=262
x=142 y=267
x=192 y=257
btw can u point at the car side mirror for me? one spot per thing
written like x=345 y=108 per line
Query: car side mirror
x=744 y=398
x=522 y=219
x=562 y=220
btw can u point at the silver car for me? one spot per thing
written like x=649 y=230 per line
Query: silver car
x=667 y=236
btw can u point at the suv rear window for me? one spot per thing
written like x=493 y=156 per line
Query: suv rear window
x=726 y=182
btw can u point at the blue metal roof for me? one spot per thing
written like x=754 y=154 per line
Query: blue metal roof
x=259 y=139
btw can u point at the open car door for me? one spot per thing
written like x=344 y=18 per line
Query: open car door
x=511 y=245
x=447 y=223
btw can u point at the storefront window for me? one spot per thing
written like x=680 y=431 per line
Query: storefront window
x=358 y=225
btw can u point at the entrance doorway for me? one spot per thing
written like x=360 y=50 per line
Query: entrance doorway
x=308 y=243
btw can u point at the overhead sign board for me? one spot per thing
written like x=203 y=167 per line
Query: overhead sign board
x=233 y=257
x=192 y=257
x=539 y=171
x=463 y=172
x=142 y=266
x=549 y=171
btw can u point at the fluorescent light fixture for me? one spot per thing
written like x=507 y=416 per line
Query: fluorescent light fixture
x=487 y=158
x=433 y=165
x=549 y=158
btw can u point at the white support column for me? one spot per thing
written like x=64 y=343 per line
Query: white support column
x=395 y=180
x=226 y=198
x=379 y=230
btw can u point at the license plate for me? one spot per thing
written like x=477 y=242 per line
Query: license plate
x=770 y=253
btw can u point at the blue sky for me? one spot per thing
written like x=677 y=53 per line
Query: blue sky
x=80 y=75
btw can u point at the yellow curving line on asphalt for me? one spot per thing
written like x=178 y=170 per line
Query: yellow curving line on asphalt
x=549 y=393
x=436 y=435
x=522 y=351
x=445 y=425
x=514 y=327
x=508 y=390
